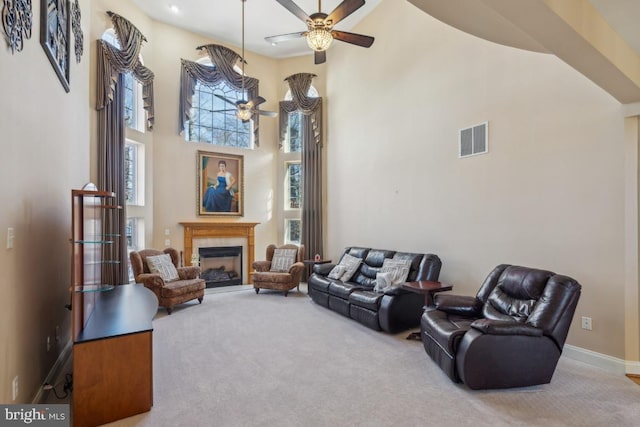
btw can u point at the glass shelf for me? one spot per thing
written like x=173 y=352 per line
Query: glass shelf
x=94 y=288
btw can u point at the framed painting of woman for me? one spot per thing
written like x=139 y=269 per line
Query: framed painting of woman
x=220 y=184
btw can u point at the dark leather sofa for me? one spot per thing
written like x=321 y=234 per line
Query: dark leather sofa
x=511 y=334
x=394 y=310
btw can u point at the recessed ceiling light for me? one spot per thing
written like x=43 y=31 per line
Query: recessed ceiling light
x=174 y=8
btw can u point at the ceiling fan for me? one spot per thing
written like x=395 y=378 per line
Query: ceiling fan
x=320 y=32
x=245 y=109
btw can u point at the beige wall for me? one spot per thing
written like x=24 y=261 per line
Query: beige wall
x=549 y=194
x=174 y=160
x=44 y=143
x=555 y=191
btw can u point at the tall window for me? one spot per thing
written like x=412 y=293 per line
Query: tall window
x=293 y=182
x=213 y=120
x=292 y=231
x=130 y=116
x=294 y=133
x=292 y=150
x=134 y=173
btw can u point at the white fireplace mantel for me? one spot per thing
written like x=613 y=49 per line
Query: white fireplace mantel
x=212 y=229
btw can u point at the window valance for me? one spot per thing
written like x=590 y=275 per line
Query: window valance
x=112 y=61
x=309 y=106
x=223 y=60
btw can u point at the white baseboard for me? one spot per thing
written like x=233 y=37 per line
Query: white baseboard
x=610 y=364
x=53 y=373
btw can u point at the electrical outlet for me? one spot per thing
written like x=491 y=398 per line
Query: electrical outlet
x=167 y=232
x=586 y=323
x=167 y=242
x=48 y=343
x=16 y=388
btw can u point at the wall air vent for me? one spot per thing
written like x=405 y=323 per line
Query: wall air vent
x=474 y=140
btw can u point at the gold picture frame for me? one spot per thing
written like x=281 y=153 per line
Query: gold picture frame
x=220 y=184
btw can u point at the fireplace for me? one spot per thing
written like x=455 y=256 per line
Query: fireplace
x=221 y=265
x=222 y=233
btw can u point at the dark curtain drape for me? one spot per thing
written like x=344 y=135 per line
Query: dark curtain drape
x=311 y=109
x=112 y=63
x=223 y=60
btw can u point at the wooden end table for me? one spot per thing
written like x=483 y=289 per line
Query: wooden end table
x=428 y=289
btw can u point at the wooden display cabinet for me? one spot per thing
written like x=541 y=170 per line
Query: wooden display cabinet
x=111 y=323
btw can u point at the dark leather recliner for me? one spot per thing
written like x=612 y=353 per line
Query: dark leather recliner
x=510 y=334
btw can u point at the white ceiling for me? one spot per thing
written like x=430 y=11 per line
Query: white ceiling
x=222 y=20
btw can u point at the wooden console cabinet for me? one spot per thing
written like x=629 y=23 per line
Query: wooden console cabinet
x=113 y=357
x=111 y=324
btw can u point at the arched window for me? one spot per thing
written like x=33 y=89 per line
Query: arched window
x=133 y=107
x=213 y=120
x=294 y=128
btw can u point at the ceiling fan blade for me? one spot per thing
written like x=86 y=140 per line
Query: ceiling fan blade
x=225 y=99
x=357 y=39
x=285 y=37
x=344 y=9
x=267 y=113
x=320 y=57
x=222 y=111
x=295 y=9
x=257 y=101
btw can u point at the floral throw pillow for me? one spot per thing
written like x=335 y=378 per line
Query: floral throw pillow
x=283 y=259
x=350 y=264
x=162 y=265
x=383 y=281
x=337 y=272
x=398 y=268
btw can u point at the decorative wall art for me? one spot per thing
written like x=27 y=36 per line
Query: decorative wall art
x=220 y=184
x=54 y=36
x=17 y=20
x=78 y=36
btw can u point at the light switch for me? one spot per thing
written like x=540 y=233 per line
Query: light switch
x=10 y=237
x=167 y=231
x=167 y=242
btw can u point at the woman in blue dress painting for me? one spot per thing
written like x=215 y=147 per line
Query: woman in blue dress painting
x=219 y=195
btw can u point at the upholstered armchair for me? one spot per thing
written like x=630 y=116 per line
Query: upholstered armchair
x=282 y=269
x=511 y=334
x=172 y=286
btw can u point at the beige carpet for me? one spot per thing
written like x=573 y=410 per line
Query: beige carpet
x=242 y=359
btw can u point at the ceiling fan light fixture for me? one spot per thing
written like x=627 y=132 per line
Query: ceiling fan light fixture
x=319 y=39
x=243 y=114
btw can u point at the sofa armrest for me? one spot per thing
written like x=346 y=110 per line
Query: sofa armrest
x=262 y=266
x=458 y=304
x=501 y=327
x=151 y=281
x=189 y=272
x=396 y=290
x=323 y=269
